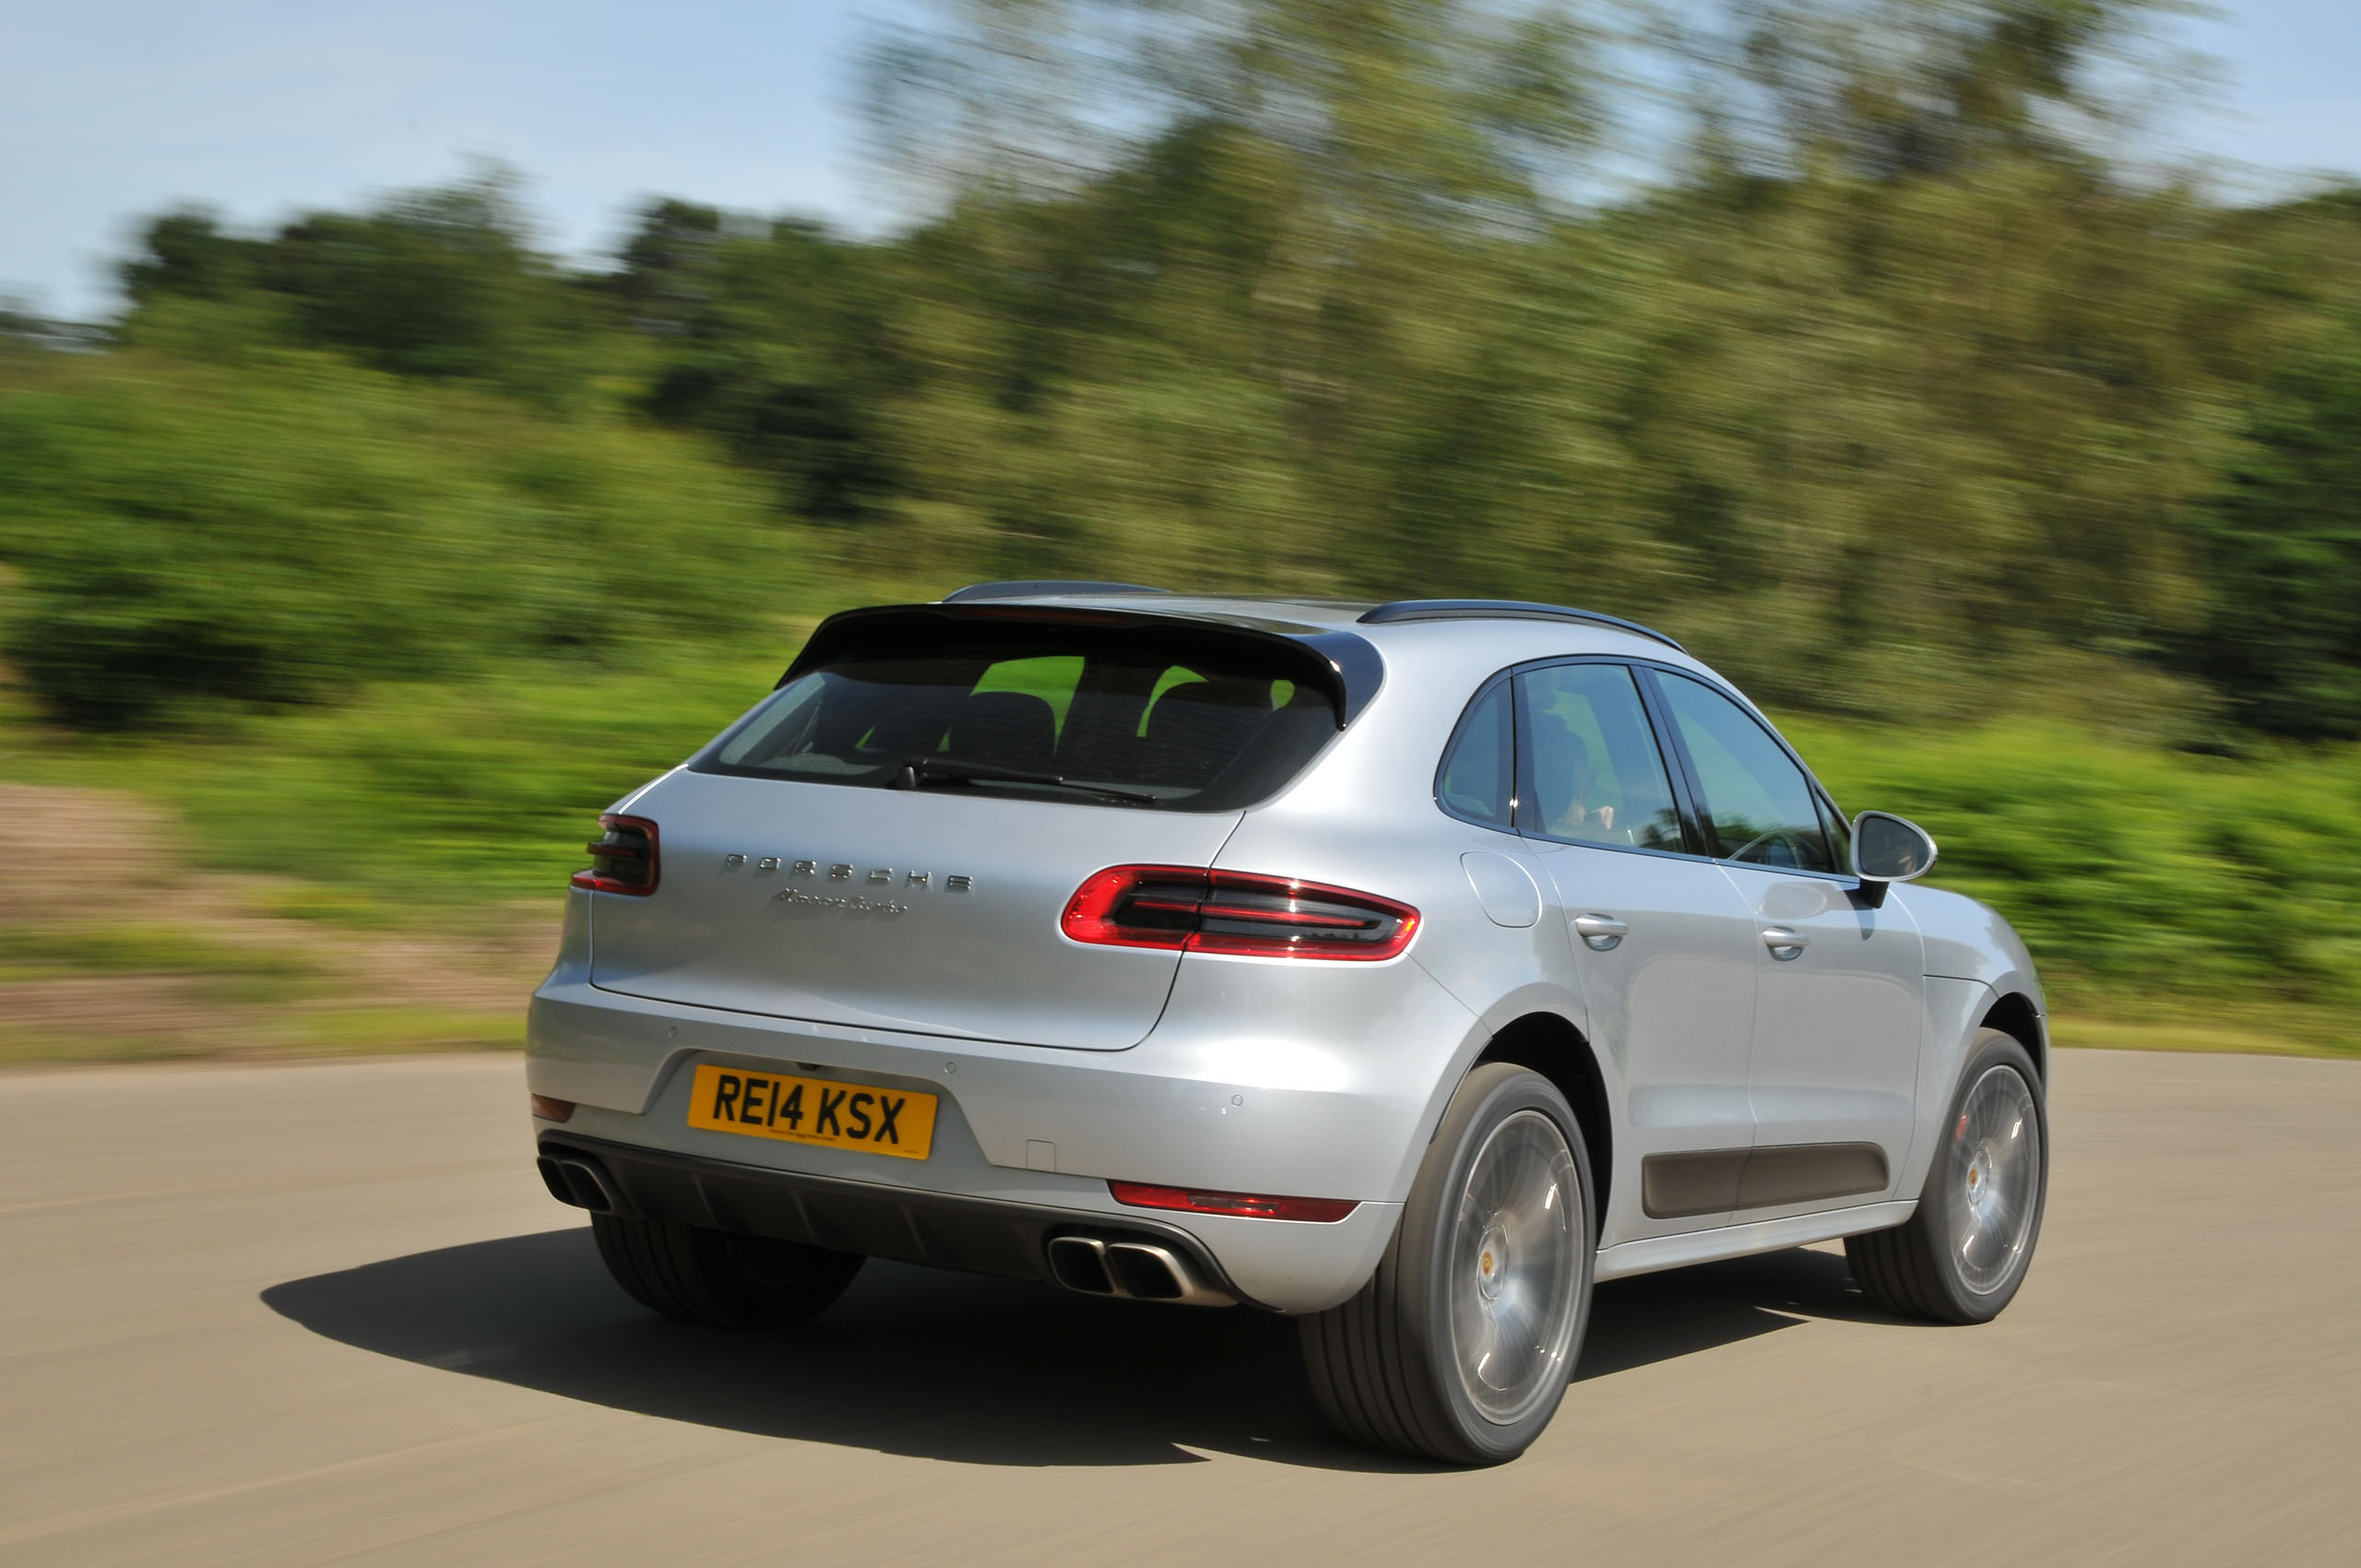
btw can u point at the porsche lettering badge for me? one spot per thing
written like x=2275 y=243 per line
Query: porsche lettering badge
x=907 y=881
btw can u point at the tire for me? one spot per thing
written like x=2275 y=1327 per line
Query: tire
x=1494 y=1249
x=1961 y=1257
x=714 y=1276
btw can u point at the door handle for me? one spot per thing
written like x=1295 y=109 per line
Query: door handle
x=1600 y=933
x=1783 y=942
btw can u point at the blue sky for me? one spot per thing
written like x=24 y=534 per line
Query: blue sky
x=114 y=109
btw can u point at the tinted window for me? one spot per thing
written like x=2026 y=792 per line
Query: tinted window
x=1475 y=778
x=1085 y=714
x=1595 y=773
x=1760 y=803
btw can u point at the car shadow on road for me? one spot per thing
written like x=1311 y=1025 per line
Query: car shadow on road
x=1659 y=1317
x=960 y=1368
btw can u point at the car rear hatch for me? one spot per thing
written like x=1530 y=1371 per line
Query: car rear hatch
x=891 y=840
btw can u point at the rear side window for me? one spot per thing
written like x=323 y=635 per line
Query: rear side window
x=1475 y=776
x=1594 y=772
x=1183 y=719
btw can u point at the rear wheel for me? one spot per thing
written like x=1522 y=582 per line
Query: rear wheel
x=1460 y=1346
x=714 y=1276
x=1961 y=1257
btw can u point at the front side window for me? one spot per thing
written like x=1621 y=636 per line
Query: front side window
x=1592 y=771
x=1760 y=806
x=1140 y=717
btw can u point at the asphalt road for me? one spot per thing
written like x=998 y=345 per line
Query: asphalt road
x=326 y=1314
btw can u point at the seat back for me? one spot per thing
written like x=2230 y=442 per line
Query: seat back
x=1005 y=729
x=1194 y=729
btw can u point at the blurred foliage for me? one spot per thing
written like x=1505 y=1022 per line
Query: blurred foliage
x=779 y=344
x=1897 y=390
x=431 y=283
x=1894 y=392
x=2280 y=537
x=283 y=529
x=474 y=791
x=240 y=971
x=2135 y=873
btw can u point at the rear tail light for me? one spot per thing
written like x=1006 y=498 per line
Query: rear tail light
x=1194 y=910
x=623 y=857
x=1250 y=1205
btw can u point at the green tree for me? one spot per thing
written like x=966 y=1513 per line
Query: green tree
x=442 y=283
x=438 y=283
x=667 y=263
x=2281 y=539
x=185 y=253
x=778 y=341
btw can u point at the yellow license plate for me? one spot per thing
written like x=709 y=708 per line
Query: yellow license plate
x=812 y=1110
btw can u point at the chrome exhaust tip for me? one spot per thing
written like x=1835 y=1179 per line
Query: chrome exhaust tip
x=1139 y=1271
x=579 y=1182
x=1079 y=1262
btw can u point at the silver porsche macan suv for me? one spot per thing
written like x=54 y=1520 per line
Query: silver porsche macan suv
x=1405 y=968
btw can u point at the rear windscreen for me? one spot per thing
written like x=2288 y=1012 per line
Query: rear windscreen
x=1175 y=719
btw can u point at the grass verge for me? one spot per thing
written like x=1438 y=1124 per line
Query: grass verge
x=290 y=1035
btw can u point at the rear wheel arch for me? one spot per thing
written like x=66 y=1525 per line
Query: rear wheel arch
x=1550 y=1045
x=1492 y=1259
x=2014 y=1015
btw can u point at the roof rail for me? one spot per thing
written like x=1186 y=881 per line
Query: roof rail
x=1034 y=587
x=1502 y=609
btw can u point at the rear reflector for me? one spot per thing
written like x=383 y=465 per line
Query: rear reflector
x=1250 y=1205
x=623 y=857
x=550 y=1109
x=1195 y=910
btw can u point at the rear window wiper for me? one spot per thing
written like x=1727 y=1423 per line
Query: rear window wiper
x=920 y=772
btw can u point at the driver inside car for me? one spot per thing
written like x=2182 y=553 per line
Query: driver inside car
x=1566 y=787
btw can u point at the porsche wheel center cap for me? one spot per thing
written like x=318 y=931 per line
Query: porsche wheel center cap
x=1493 y=1263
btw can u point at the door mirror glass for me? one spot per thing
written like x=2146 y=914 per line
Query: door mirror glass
x=1891 y=849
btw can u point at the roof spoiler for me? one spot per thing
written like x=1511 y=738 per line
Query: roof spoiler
x=1346 y=661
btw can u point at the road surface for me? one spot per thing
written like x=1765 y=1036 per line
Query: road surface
x=326 y=1314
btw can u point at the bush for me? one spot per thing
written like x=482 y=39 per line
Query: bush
x=442 y=282
x=281 y=530
x=2131 y=870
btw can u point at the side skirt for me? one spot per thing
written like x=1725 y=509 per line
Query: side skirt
x=1772 y=1176
x=1738 y=1241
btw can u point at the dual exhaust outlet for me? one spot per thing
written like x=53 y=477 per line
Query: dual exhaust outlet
x=1138 y=1270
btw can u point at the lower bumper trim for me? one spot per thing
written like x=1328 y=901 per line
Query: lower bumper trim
x=940 y=1229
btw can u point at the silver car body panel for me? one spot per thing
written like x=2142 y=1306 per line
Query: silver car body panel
x=886 y=908
x=1671 y=1006
x=1966 y=940
x=1838 y=1023
x=1061 y=1067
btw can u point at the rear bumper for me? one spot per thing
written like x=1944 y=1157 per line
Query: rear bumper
x=1291 y=1079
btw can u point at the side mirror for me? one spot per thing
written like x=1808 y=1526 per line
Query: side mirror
x=1889 y=848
